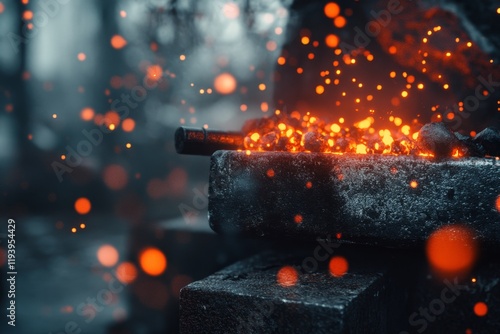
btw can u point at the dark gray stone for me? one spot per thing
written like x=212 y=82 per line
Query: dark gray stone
x=489 y=139
x=436 y=139
x=246 y=298
x=366 y=198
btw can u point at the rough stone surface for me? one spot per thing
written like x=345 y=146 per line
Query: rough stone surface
x=435 y=138
x=246 y=298
x=367 y=198
x=489 y=139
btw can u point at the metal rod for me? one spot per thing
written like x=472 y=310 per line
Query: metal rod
x=198 y=141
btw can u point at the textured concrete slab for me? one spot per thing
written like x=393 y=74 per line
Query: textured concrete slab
x=247 y=298
x=395 y=201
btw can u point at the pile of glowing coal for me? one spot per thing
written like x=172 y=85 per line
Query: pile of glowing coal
x=295 y=133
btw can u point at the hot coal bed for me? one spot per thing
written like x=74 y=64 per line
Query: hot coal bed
x=382 y=209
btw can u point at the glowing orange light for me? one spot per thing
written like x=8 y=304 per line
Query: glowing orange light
x=154 y=72
x=153 y=262
x=480 y=309
x=73 y=229
x=118 y=42
x=451 y=249
x=83 y=205
x=309 y=185
x=225 y=83
x=27 y=15
x=281 y=60
x=270 y=173
x=332 y=40
x=2 y=7
x=497 y=203
x=128 y=125
x=287 y=276
x=111 y=118
x=123 y=13
x=115 y=177
x=320 y=89
x=126 y=272
x=393 y=50
x=81 y=56
x=82 y=226
x=298 y=219
x=305 y=40
x=262 y=86
x=332 y=10
x=340 y=22
x=338 y=266
x=414 y=184
x=107 y=255
x=271 y=45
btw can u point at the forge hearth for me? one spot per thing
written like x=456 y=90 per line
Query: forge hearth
x=395 y=201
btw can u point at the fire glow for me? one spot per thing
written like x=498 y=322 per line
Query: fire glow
x=297 y=133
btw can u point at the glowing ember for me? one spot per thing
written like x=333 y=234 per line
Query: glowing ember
x=87 y=114
x=480 y=309
x=225 y=83
x=107 y=255
x=153 y=262
x=287 y=276
x=118 y=42
x=451 y=250
x=338 y=266
x=302 y=133
x=115 y=177
x=126 y=272
x=82 y=205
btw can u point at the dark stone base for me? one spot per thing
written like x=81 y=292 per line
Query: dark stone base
x=246 y=298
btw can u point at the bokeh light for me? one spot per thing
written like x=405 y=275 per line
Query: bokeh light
x=153 y=262
x=118 y=42
x=287 y=276
x=480 y=309
x=451 y=249
x=107 y=255
x=115 y=177
x=126 y=272
x=225 y=83
x=338 y=266
x=83 y=205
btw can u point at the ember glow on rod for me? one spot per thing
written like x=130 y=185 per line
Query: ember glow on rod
x=198 y=141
